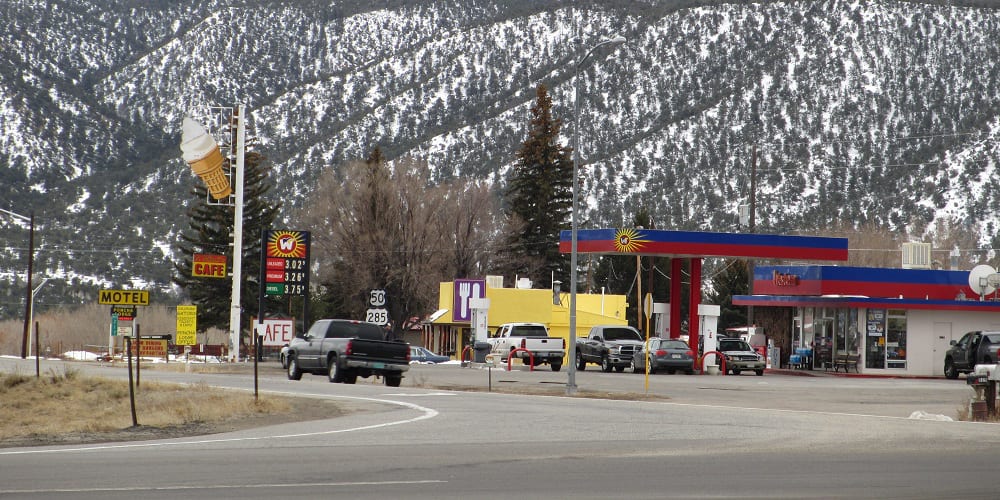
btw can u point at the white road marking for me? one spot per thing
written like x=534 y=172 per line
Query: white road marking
x=421 y=394
x=426 y=414
x=220 y=487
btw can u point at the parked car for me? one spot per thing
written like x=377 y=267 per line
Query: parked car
x=668 y=355
x=974 y=348
x=283 y=356
x=423 y=355
x=740 y=356
x=611 y=346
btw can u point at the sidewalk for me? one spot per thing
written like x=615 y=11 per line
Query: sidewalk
x=830 y=373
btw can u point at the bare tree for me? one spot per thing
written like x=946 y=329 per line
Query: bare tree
x=475 y=229
x=382 y=226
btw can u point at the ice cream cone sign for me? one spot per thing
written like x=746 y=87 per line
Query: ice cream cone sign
x=202 y=152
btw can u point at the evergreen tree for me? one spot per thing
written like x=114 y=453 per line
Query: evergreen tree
x=733 y=280
x=210 y=231
x=539 y=196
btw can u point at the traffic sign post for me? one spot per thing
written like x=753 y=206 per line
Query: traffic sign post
x=377 y=313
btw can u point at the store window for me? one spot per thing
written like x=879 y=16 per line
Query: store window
x=895 y=339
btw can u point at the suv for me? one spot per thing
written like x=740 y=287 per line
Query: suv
x=740 y=356
x=974 y=348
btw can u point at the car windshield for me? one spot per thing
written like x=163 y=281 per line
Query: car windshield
x=673 y=344
x=621 y=334
x=733 y=345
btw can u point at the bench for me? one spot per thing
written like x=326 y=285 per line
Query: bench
x=847 y=361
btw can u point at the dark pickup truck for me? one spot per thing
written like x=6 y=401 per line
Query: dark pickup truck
x=974 y=348
x=611 y=346
x=345 y=350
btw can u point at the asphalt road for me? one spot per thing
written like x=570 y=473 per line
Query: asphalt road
x=776 y=436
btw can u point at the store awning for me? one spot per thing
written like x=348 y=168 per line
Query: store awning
x=858 y=302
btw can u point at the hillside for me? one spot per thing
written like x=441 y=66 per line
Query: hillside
x=859 y=113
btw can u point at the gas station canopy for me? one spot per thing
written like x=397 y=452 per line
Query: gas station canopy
x=696 y=244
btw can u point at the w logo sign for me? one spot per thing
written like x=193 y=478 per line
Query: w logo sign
x=286 y=244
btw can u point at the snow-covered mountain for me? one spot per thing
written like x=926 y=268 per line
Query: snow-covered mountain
x=858 y=113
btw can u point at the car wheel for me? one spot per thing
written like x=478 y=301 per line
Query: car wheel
x=605 y=364
x=284 y=362
x=294 y=373
x=393 y=380
x=760 y=373
x=736 y=371
x=580 y=363
x=334 y=371
x=556 y=367
x=949 y=369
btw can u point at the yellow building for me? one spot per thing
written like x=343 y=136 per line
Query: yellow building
x=449 y=331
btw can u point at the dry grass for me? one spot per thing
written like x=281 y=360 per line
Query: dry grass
x=60 y=407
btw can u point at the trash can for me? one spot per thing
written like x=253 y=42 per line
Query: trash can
x=481 y=350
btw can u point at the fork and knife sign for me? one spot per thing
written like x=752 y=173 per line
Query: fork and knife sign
x=466 y=290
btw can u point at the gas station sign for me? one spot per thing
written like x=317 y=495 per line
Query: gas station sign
x=286 y=262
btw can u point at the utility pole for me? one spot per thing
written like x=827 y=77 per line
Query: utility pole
x=753 y=223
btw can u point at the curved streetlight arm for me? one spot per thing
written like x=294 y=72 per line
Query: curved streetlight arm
x=612 y=41
x=571 y=352
x=16 y=215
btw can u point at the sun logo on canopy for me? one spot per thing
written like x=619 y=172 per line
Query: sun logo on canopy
x=628 y=240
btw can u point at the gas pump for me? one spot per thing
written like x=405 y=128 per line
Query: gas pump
x=708 y=323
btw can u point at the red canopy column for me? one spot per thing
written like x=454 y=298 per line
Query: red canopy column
x=695 y=301
x=676 y=266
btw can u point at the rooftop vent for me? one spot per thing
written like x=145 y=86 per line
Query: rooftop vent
x=916 y=255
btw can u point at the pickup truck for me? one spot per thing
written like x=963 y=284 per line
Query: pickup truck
x=611 y=346
x=533 y=337
x=345 y=350
x=974 y=348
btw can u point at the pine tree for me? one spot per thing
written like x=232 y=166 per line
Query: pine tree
x=733 y=280
x=539 y=196
x=209 y=231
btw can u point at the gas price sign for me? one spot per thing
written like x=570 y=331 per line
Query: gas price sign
x=286 y=262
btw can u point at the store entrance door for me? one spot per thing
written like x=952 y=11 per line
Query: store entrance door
x=942 y=341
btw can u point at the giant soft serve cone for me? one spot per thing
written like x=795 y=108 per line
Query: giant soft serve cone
x=202 y=152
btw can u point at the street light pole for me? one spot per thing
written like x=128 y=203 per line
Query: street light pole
x=31 y=263
x=571 y=372
x=234 y=306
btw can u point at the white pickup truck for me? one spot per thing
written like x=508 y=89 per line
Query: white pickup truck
x=524 y=337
